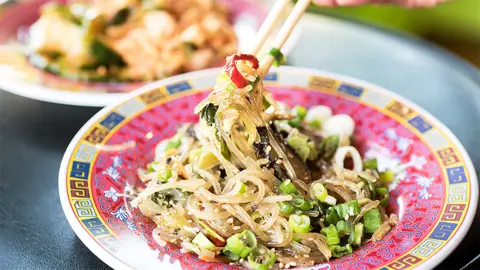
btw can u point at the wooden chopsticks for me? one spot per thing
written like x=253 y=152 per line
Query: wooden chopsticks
x=282 y=35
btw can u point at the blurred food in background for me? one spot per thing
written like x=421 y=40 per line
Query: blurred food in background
x=454 y=25
x=129 y=40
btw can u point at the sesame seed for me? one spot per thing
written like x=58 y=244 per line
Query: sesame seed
x=241 y=260
x=190 y=214
x=296 y=256
x=189 y=221
x=293 y=264
x=306 y=255
x=279 y=161
x=273 y=250
x=230 y=220
x=281 y=265
x=310 y=239
x=236 y=228
x=216 y=210
x=287 y=265
x=269 y=148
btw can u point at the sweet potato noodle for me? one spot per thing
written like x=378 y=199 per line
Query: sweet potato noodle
x=262 y=184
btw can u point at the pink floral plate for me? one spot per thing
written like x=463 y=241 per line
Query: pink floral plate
x=21 y=78
x=435 y=196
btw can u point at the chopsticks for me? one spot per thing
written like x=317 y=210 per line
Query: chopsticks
x=268 y=25
x=283 y=34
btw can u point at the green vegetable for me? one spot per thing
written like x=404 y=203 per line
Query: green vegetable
x=226 y=82
x=164 y=175
x=279 y=58
x=371 y=164
x=300 y=112
x=304 y=148
x=265 y=103
x=299 y=223
x=243 y=188
x=202 y=241
x=371 y=187
x=384 y=196
x=208 y=113
x=356 y=237
x=321 y=193
x=240 y=245
x=173 y=143
x=194 y=155
x=120 y=17
x=339 y=251
x=150 y=166
x=286 y=208
x=332 y=216
x=332 y=235
x=372 y=220
x=344 y=227
x=386 y=177
x=328 y=146
x=261 y=258
x=301 y=204
x=350 y=208
x=94 y=23
x=104 y=55
x=287 y=187
x=315 y=124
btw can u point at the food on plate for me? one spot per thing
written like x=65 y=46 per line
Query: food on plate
x=259 y=184
x=130 y=40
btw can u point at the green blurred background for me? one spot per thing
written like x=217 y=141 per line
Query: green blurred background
x=454 y=25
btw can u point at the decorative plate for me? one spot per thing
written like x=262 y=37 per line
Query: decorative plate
x=19 y=77
x=435 y=196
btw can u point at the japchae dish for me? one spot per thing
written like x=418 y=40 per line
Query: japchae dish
x=129 y=40
x=259 y=184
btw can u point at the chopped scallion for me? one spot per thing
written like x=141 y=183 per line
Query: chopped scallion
x=356 y=237
x=261 y=258
x=344 y=228
x=301 y=204
x=202 y=241
x=371 y=164
x=332 y=216
x=372 y=220
x=287 y=187
x=332 y=235
x=286 y=208
x=240 y=245
x=278 y=56
x=386 y=177
x=339 y=251
x=350 y=208
x=299 y=223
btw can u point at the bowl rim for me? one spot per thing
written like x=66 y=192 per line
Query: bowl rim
x=115 y=263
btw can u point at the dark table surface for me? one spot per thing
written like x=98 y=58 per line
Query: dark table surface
x=34 y=234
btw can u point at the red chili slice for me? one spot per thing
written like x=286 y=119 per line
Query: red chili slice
x=232 y=71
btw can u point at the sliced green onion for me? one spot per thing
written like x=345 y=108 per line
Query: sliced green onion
x=164 y=175
x=350 y=208
x=386 y=177
x=300 y=112
x=356 y=237
x=243 y=188
x=384 y=196
x=261 y=258
x=286 y=208
x=315 y=124
x=329 y=145
x=265 y=103
x=332 y=235
x=278 y=57
x=372 y=220
x=150 y=166
x=287 y=187
x=344 y=227
x=226 y=82
x=202 y=241
x=299 y=223
x=339 y=251
x=332 y=216
x=240 y=245
x=370 y=186
x=301 y=204
x=173 y=143
x=321 y=193
x=371 y=164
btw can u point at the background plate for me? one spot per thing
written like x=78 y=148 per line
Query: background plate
x=30 y=82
